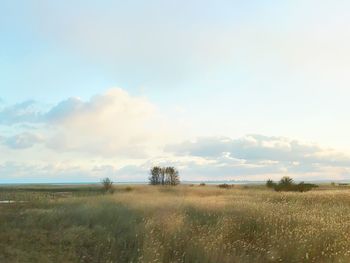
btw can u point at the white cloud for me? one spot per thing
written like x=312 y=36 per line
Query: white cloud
x=111 y=124
x=258 y=156
x=259 y=148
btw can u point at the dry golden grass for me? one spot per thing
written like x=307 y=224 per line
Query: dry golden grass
x=248 y=224
x=180 y=224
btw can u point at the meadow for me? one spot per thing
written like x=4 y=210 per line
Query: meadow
x=174 y=224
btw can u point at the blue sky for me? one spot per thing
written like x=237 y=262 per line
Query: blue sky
x=270 y=75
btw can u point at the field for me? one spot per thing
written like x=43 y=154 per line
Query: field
x=174 y=224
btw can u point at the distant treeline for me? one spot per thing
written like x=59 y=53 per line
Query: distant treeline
x=164 y=176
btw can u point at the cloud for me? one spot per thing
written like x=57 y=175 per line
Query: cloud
x=256 y=148
x=223 y=35
x=22 y=140
x=19 y=172
x=113 y=123
x=116 y=134
x=27 y=111
x=203 y=159
x=110 y=124
x=259 y=156
x=22 y=172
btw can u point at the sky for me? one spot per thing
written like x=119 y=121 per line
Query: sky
x=222 y=90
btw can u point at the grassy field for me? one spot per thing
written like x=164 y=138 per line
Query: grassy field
x=174 y=224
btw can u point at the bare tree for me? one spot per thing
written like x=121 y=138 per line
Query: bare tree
x=163 y=170
x=172 y=176
x=155 y=175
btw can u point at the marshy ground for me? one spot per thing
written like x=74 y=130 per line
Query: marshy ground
x=174 y=224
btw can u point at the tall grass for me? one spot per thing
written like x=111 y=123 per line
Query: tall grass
x=181 y=224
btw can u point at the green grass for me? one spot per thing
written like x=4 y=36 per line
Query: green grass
x=174 y=224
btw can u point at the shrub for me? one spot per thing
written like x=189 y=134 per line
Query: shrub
x=270 y=183
x=286 y=181
x=202 y=184
x=107 y=185
x=303 y=187
x=225 y=186
x=129 y=188
x=287 y=184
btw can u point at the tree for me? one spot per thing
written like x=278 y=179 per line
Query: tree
x=164 y=176
x=107 y=184
x=155 y=175
x=172 y=176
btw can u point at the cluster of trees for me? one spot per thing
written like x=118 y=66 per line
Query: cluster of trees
x=164 y=176
x=287 y=184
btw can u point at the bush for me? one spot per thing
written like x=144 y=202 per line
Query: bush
x=287 y=184
x=302 y=187
x=107 y=185
x=270 y=183
x=129 y=188
x=225 y=186
x=202 y=184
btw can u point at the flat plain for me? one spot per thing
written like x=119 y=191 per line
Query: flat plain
x=186 y=223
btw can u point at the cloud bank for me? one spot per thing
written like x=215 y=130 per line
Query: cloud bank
x=121 y=136
x=259 y=156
